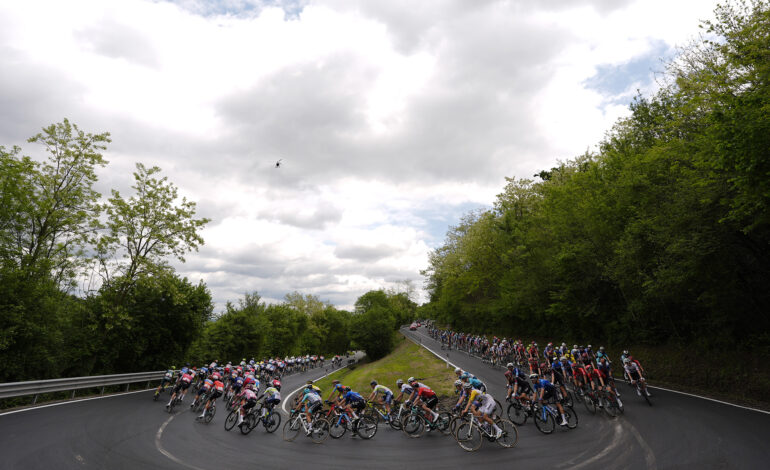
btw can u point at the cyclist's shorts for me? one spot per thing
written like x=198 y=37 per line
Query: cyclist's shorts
x=165 y=380
x=201 y=391
x=272 y=401
x=388 y=398
x=358 y=405
x=431 y=402
x=558 y=377
x=549 y=396
x=185 y=385
x=312 y=408
x=250 y=403
x=488 y=408
x=634 y=376
x=215 y=394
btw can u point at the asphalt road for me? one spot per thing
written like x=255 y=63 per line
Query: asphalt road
x=134 y=432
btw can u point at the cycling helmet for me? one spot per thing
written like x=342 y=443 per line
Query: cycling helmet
x=335 y=381
x=626 y=360
x=345 y=389
x=625 y=351
x=458 y=382
x=574 y=346
x=589 y=367
x=373 y=383
x=458 y=371
x=410 y=380
x=601 y=348
x=533 y=376
x=399 y=383
x=564 y=359
x=465 y=376
x=589 y=346
x=509 y=365
x=466 y=385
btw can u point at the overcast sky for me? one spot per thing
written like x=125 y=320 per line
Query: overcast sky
x=393 y=118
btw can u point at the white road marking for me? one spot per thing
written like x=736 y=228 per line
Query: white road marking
x=74 y=401
x=649 y=455
x=168 y=454
x=617 y=438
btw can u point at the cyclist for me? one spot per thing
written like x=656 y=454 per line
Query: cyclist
x=425 y=397
x=337 y=388
x=182 y=384
x=248 y=401
x=634 y=371
x=217 y=389
x=602 y=354
x=482 y=405
x=557 y=377
x=168 y=377
x=387 y=396
x=405 y=389
x=272 y=394
x=547 y=394
x=352 y=402
x=606 y=369
x=312 y=403
x=203 y=390
x=459 y=390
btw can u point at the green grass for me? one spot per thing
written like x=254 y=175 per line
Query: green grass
x=407 y=359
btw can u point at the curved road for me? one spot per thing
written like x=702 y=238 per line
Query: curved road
x=133 y=432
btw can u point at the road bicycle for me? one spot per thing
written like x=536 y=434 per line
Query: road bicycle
x=341 y=421
x=199 y=401
x=398 y=410
x=317 y=429
x=376 y=411
x=545 y=416
x=641 y=389
x=609 y=403
x=519 y=409
x=471 y=433
x=418 y=421
x=269 y=418
x=208 y=415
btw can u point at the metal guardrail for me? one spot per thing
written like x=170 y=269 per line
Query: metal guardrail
x=38 y=387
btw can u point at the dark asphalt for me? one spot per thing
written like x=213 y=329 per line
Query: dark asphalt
x=134 y=432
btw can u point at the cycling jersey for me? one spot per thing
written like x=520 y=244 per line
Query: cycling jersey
x=312 y=398
x=406 y=389
x=249 y=394
x=544 y=384
x=352 y=397
x=425 y=392
x=382 y=389
x=272 y=393
x=476 y=383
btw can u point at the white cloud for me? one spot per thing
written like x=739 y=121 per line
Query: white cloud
x=391 y=117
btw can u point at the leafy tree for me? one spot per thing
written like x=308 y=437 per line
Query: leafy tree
x=150 y=226
x=372 y=331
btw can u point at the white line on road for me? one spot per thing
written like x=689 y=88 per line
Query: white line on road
x=74 y=401
x=168 y=454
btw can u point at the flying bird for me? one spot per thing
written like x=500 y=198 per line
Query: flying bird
x=278 y=163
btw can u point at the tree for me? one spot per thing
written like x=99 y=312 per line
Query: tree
x=149 y=226
x=372 y=331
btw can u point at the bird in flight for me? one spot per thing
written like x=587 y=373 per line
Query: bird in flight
x=278 y=163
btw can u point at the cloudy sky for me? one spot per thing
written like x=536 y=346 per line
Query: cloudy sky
x=393 y=118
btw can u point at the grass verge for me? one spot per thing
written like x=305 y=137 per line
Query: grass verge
x=407 y=359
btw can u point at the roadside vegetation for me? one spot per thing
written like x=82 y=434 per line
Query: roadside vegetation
x=659 y=241
x=407 y=359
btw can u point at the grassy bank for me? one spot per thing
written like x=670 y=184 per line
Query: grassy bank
x=407 y=359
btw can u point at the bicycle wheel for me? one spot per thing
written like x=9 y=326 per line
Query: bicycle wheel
x=498 y=408
x=517 y=414
x=366 y=427
x=468 y=437
x=337 y=428
x=442 y=422
x=544 y=422
x=271 y=421
x=588 y=402
x=320 y=430
x=292 y=428
x=249 y=422
x=372 y=413
x=231 y=419
x=210 y=413
x=611 y=406
x=568 y=400
x=572 y=417
x=413 y=425
x=395 y=422
x=510 y=434
x=644 y=395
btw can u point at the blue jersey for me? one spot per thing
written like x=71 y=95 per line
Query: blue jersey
x=352 y=397
x=544 y=384
x=475 y=383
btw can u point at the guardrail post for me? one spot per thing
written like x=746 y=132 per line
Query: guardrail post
x=34 y=400
x=148 y=384
x=102 y=392
x=73 y=395
x=127 y=385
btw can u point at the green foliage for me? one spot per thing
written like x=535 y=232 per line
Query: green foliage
x=407 y=359
x=661 y=236
x=150 y=226
x=371 y=331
